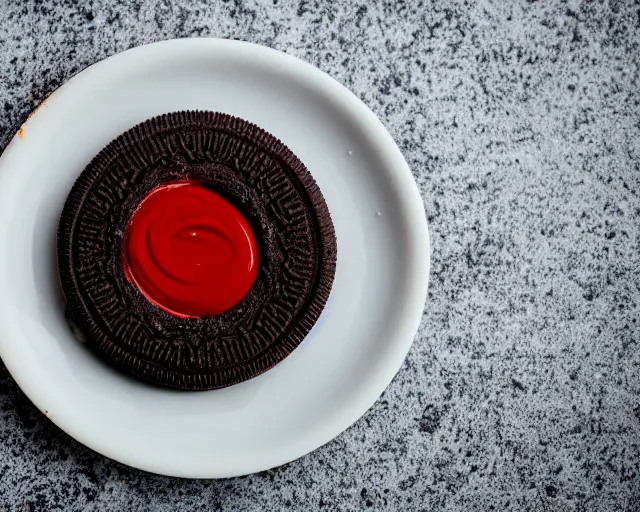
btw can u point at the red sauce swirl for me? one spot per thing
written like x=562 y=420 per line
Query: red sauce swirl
x=190 y=251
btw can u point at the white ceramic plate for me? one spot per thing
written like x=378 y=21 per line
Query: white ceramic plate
x=343 y=365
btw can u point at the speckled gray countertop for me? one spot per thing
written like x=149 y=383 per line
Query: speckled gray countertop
x=521 y=123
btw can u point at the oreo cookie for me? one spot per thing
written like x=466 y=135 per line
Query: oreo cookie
x=162 y=182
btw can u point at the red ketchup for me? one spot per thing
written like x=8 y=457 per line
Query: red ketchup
x=190 y=251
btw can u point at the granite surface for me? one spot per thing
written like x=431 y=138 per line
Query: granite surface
x=521 y=123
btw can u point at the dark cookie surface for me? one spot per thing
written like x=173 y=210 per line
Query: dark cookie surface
x=266 y=182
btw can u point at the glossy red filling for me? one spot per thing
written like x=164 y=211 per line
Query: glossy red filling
x=190 y=251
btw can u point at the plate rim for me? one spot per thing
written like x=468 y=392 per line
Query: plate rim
x=420 y=244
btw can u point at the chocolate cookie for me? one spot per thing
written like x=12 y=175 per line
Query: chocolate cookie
x=142 y=251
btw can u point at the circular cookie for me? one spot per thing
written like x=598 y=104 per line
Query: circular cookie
x=256 y=174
